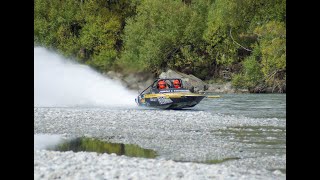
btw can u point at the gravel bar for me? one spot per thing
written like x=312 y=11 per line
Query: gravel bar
x=182 y=139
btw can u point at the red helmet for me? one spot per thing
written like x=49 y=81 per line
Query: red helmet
x=176 y=82
x=162 y=84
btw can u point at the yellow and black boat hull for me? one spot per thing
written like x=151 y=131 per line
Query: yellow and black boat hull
x=169 y=100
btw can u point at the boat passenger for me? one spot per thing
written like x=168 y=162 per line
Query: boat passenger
x=176 y=84
x=162 y=84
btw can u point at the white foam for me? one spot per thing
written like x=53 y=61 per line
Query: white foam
x=43 y=141
x=60 y=82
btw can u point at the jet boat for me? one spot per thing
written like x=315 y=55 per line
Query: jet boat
x=169 y=97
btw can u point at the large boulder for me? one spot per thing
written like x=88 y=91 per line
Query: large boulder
x=138 y=81
x=191 y=82
x=219 y=88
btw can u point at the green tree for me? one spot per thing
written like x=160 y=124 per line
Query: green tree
x=164 y=34
x=89 y=31
x=202 y=37
x=272 y=42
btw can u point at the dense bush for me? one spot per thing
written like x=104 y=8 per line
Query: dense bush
x=201 y=37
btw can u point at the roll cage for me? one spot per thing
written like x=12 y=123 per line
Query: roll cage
x=153 y=88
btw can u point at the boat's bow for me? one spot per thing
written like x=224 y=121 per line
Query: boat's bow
x=185 y=100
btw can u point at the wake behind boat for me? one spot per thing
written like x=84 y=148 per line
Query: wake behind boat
x=168 y=94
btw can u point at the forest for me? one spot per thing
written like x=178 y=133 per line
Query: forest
x=237 y=41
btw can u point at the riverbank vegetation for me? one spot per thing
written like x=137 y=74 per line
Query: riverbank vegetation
x=242 y=41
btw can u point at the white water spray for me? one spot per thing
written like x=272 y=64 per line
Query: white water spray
x=43 y=141
x=59 y=82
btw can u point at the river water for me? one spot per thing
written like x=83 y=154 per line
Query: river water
x=248 y=105
x=242 y=131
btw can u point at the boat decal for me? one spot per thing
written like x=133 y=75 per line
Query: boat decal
x=153 y=99
x=163 y=100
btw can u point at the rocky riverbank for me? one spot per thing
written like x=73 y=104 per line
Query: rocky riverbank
x=140 y=81
x=189 y=144
x=84 y=165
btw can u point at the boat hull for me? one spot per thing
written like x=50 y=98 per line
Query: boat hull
x=169 y=100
